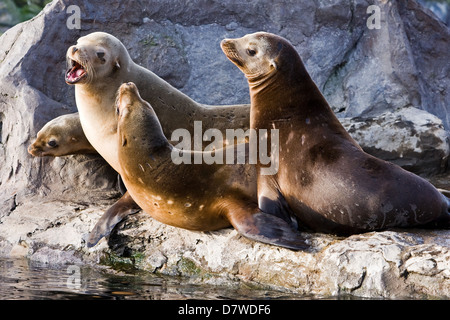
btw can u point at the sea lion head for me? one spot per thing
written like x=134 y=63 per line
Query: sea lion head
x=259 y=55
x=59 y=137
x=95 y=56
x=137 y=122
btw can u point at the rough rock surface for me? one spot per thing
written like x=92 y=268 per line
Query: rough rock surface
x=394 y=264
x=388 y=80
x=411 y=138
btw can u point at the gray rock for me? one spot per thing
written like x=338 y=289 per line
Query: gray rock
x=390 y=264
x=411 y=138
x=440 y=8
x=379 y=78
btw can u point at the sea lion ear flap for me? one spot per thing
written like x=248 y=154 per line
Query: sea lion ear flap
x=273 y=63
x=117 y=64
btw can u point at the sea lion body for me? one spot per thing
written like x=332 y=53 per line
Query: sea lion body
x=60 y=137
x=329 y=183
x=98 y=64
x=191 y=196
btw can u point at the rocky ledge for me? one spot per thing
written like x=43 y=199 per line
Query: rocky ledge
x=409 y=263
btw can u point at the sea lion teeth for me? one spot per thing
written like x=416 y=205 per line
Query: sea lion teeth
x=75 y=73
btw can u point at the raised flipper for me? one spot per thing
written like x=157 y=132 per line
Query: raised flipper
x=119 y=210
x=256 y=225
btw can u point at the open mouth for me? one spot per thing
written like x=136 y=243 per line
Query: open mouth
x=75 y=73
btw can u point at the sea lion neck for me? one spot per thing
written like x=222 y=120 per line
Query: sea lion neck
x=278 y=94
x=152 y=135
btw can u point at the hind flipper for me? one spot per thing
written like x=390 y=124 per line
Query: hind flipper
x=442 y=222
x=256 y=225
x=119 y=210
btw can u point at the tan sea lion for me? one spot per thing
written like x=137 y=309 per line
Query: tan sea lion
x=60 y=137
x=329 y=183
x=192 y=196
x=64 y=136
x=98 y=64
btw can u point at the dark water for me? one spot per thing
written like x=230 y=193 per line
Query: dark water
x=21 y=279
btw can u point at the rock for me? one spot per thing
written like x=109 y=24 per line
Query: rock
x=411 y=138
x=440 y=8
x=388 y=86
x=390 y=264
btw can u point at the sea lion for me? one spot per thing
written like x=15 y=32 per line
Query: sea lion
x=191 y=196
x=60 y=137
x=64 y=136
x=327 y=180
x=99 y=63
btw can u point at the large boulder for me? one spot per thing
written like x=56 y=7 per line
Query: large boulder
x=411 y=138
x=389 y=80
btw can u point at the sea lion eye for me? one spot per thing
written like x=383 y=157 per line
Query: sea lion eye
x=52 y=143
x=251 y=52
x=101 y=55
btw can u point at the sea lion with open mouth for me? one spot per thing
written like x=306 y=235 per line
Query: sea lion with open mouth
x=98 y=64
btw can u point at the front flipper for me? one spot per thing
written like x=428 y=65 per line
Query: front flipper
x=119 y=210
x=256 y=225
x=271 y=201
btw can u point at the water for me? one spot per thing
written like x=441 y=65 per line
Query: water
x=21 y=279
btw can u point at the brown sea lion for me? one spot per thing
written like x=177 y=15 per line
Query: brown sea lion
x=327 y=180
x=98 y=64
x=192 y=196
x=64 y=136
x=60 y=137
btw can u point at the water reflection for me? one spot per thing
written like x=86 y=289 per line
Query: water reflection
x=21 y=279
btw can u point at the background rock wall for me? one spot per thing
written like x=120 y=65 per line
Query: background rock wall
x=389 y=86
